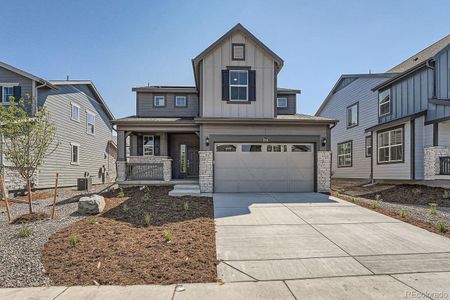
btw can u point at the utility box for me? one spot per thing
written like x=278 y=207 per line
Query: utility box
x=84 y=184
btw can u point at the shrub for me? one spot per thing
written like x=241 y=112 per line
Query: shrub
x=120 y=193
x=125 y=208
x=24 y=232
x=338 y=194
x=353 y=199
x=73 y=240
x=442 y=226
x=92 y=220
x=186 y=206
x=433 y=208
x=402 y=213
x=168 y=235
x=147 y=219
x=374 y=204
x=416 y=191
x=378 y=197
x=446 y=195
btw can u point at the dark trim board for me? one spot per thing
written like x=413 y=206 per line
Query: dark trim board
x=435 y=134
x=412 y=149
x=395 y=122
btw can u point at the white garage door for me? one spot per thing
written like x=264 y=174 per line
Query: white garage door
x=252 y=167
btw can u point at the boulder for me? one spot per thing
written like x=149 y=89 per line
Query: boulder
x=91 y=205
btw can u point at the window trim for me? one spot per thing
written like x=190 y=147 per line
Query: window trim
x=186 y=101
x=402 y=127
x=238 y=85
x=77 y=163
x=286 y=106
x=351 y=154
x=232 y=51
x=368 y=137
x=357 y=115
x=89 y=112
x=152 y=146
x=159 y=106
x=72 y=105
x=7 y=85
x=389 y=104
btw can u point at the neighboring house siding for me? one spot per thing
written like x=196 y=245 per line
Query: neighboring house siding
x=93 y=151
x=211 y=87
x=291 y=109
x=145 y=108
x=444 y=133
x=358 y=90
x=6 y=76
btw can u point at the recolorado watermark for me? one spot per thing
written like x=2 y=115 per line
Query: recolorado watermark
x=426 y=295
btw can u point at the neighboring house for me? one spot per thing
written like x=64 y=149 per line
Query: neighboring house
x=83 y=128
x=394 y=125
x=234 y=131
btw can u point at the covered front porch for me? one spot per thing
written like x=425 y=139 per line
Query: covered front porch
x=157 y=151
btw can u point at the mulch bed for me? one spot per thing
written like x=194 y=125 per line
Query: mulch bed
x=29 y=218
x=412 y=194
x=123 y=247
x=395 y=215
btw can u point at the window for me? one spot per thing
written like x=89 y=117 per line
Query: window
x=282 y=102
x=390 y=146
x=301 y=148
x=368 y=146
x=384 y=102
x=159 y=101
x=344 y=151
x=276 y=148
x=148 y=145
x=238 y=51
x=251 y=148
x=180 y=101
x=352 y=115
x=8 y=91
x=239 y=85
x=226 y=148
x=90 y=120
x=75 y=154
x=75 y=112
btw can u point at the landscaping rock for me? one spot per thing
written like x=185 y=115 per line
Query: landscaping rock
x=91 y=205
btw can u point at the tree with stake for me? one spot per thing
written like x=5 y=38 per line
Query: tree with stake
x=27 y=139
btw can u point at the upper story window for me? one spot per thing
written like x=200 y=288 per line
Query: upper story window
x=344 y=154
x=148 y=145
x=282 y=102
x=238 y=51
x=384 y=103
x=75 y=112
x=8 y=91
x=180 y=101
x=390 y=146
x=159 y=101
x=90 y=122
x=238 y=85
x=352 y=115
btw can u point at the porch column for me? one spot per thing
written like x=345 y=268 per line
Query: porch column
x=121 y=156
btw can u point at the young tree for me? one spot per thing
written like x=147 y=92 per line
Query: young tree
x=27 y=139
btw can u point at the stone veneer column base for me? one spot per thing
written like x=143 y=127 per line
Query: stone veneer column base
x=431 y=161
x=323 y=171
x=121 y=170
x=206 y=177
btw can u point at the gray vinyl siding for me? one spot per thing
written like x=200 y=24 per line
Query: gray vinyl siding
x=358 y=90
x=444 y=133
x=26 y=84
x=211 y=86
x=423 y=138
x=291 y=108
x=93 y=152
x=443 y=74
x=145 y=108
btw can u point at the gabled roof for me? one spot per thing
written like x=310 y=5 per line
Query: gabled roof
x=26 y=74
x=344 y=77
x=93 y=89
x=166 y=89
x=421 y=56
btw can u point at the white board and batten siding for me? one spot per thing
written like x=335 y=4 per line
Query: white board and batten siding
x=93 y=152
x=219 y=59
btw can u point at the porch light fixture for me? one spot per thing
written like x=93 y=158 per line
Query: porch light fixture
x=324 y=142
x=207 y=141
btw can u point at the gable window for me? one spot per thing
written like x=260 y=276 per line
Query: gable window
x=75 y=154
x=282 y=102
x=390 y=146
x=180 y=101
x=239 y=85
x=159 y=101
x=368 y=146
x=344 y=154
x=352 y=115
x=148 y=145
x=90 y=121
x=8 y=91
x=384 y=103
x=75 y=112
x=238 y=51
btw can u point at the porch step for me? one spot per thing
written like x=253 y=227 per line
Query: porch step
x=180 y=190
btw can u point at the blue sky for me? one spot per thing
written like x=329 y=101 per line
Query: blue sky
x=124 y=43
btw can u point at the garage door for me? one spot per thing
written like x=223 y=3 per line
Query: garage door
x=251 y=167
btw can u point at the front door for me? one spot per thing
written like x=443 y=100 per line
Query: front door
x=192 y=161
x=183 y=149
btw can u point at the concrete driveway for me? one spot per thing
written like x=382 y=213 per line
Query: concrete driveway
x=323 y=247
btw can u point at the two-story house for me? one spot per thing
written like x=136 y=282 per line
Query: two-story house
x=234 y=131
x=83 y=129
x=394 y=125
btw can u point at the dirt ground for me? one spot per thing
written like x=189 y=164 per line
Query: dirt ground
x=146 y=237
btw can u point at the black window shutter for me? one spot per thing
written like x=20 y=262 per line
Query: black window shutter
x=17 y=93
x=157 y=145
x=140 y=145
x=252 y=85
x=225 y=85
